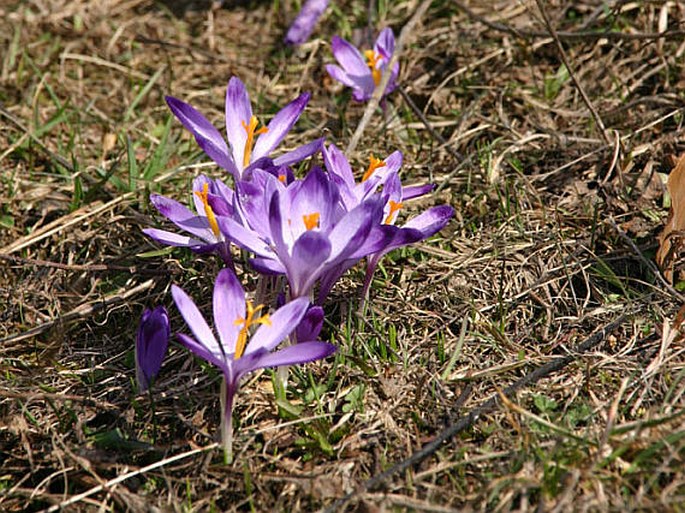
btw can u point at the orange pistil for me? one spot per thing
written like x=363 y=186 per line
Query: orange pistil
x=372 y=59
x=246 y=323
x=311 y=221
x=394 y=208
x=374 y=164
x=282 y=178
x=208 y=210
x=251 y=131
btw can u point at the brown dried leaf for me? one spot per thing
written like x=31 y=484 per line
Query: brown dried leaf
x=670 y=240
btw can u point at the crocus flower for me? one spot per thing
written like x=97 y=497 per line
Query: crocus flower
x=212 y=198
x=249 y=143
x=152 y=341
x=381 y=174
x=302 y=229
x=238 y=351
x=363 y=72
x=305 y=21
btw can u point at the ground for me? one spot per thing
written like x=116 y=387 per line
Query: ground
x=557 y=174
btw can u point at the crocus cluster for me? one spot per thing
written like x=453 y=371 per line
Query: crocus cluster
x=309 y=229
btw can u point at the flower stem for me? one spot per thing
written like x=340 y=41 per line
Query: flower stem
x=227 y=421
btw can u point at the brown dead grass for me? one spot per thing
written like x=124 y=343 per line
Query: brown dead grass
x=531 y=265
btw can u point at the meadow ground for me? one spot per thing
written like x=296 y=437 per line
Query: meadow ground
x=544 y=282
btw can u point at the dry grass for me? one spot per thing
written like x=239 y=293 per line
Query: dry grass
x=536 y=260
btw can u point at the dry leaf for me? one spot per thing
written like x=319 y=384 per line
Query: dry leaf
x=671 y=239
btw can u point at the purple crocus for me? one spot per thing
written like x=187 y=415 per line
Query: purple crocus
x=239 y=351
x=363 y=72
x=303 y=229
x=381 y=174
x=249 y=143
x=212 y=198
x=304 y=23
x=152 y=341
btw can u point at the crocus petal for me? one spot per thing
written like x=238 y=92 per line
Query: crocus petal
x=182 y=217
x=298 y=154
x=337 y=164
x=243 y=237
x=339 y=74
x=385 y=44
x=414 y=191
x=304 y=23
x=267 y=266
x=283 y=322
x=206 y=135
x=280 y=125
x=238 y=111
x=310 y=252
x=152 y=341
x=432 y=220
x=310 y=325
x=299 y=353
x=195 y=321
x=201 y=351
x=349 y=57
x=353 y=229
x=173 y=239
x=229 y=306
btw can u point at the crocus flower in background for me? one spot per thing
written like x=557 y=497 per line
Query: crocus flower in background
x=212 y=198
x=304 y=23
x=152 y=341
x=363 y=72
x=239 y=351
x=249 y=143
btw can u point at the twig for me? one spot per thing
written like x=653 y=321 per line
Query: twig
x=576 y=82
x=132 y=269
x=120 y=479
x=489 y=406
x=371 y=107
x=573 y=36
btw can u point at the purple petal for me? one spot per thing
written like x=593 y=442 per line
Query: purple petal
x=300 y=153
x=269 y=266
x=310 y=325
x=182 y=217
x=385 y=44
x=195 y=321
x=349 y=57
x=173 y=239
x=432 y=220
x=310 y=252
x=201 y=351
x=283 y=322
x=244 y=237
x=292 y=355
x=229 y=306
x=305 y=21
x=337 y=164
x=337 y=73
x=238 y=111
x=206 y=135
x=353 y=229
x=280 y=125
x=414 y=191
x=152 y=341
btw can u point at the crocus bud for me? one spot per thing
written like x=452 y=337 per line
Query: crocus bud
x=304 y=23
x=151 y=345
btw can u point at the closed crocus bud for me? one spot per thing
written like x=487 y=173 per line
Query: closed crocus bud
x=151 y=345
x=303 y=25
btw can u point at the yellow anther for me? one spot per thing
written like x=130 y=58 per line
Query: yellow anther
x=208 y=210
x=372 y=59
x=311 y=221
x=282 y=178
x=374 y=164
x=246 y=323
x=251 y=130
x=394 y=208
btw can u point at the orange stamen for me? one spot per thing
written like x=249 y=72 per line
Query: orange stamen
x=372 y=59
x=394 y=208
x=311 y=221
x=208 y=210
x=246 y=323
x=374 y=164
x=251 y=130
x=282 y=178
